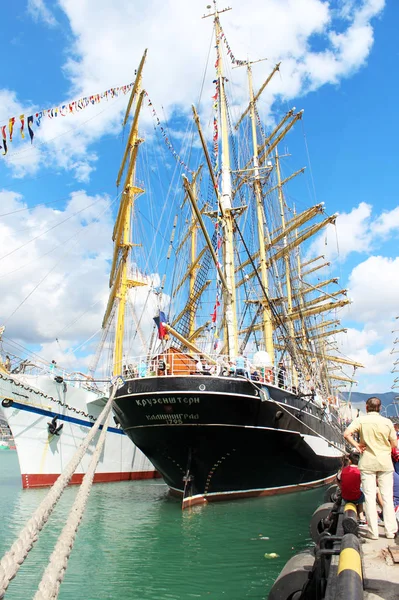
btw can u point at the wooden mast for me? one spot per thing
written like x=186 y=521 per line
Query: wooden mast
x=225 y=202
x=267 y=326
x=286 y=256
x=231 y=334
x=120 y=282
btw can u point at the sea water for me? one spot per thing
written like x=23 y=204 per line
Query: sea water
x=135 y=542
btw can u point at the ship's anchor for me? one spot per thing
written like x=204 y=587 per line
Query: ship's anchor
x=53 y=427
x=188 y=478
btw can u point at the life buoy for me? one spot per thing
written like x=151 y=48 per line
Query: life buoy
x=7 y=402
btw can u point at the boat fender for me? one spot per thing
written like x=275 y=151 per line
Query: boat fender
x=58 y=379
x=330 y=494
x=53 y=427
x=7 y=402
x=278 y=415
x=65 y=387
x=318 y=521
x=293 y=577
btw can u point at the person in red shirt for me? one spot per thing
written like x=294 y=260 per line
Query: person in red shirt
x=349 y=481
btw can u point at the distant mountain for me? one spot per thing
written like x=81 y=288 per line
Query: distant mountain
x=358 y=400
x=386 y=397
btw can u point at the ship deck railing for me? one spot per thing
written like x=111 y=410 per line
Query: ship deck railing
x=175 y=365
x=168 y=365
x=22 y=367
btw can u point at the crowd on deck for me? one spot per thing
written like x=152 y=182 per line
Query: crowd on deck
x=240 y=367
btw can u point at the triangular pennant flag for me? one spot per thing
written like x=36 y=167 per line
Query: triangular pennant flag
x=22 y=119
x=30 y=123
x=3 y=132
x=11 y=127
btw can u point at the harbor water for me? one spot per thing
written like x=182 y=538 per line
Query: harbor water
x=135 y=542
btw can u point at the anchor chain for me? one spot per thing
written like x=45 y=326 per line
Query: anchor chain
x=43 y=395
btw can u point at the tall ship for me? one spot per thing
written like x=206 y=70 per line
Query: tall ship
x=234 y=388
x=219 y=329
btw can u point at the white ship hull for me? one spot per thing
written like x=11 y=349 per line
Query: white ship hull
x=30 y=403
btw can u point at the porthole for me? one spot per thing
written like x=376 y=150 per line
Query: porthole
x=202 y=387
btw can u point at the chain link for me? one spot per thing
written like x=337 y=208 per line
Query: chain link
x=60 y=402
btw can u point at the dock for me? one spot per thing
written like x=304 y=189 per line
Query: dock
x=381 y=573
x=344 y=563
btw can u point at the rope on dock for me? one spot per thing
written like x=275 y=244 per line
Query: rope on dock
x=14 y=558
x=55 y=570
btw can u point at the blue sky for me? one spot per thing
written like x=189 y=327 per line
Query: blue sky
x=59 y=51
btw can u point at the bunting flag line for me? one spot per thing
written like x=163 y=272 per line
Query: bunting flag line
x=215 y=99
x=167 y=141
x=233 y=59
x=58 y=111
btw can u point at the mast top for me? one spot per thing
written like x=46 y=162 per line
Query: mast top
x=217 y=12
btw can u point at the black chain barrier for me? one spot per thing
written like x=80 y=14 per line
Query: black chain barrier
x=60 y=402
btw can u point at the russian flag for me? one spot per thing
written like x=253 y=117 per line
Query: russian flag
x=159 y=322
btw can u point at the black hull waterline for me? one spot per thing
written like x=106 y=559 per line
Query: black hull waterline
x=215 y=438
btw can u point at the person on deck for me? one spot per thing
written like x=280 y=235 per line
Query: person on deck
x=240 y=366
x=203 y=367
x=7 y=364
x=377 y=439
x=281 y=374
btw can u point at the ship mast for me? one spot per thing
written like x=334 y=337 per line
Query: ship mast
x=229 y=292
x=119 y=281
x=267 y=316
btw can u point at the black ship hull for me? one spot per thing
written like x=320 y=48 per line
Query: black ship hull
x=215 y=438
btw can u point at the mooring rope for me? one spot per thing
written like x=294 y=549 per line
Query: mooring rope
x=14 y=558
x=55 y=570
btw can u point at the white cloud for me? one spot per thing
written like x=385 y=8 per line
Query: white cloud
x=356 y=231
x=40 y=12
x=54 y=270
x=374 y=289
x=109 y=39
x=387 y=222
x=67 y=251
x=351 y=233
